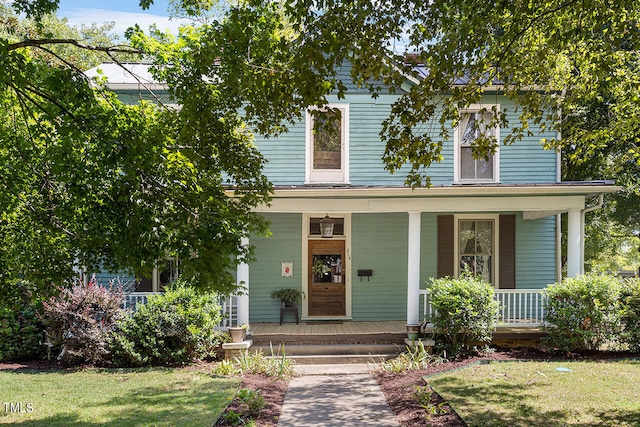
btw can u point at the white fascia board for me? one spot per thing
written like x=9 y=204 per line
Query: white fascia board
x=440 y=204
x=585 y=190
x=537 y=201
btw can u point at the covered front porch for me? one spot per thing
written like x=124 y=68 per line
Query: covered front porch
x=400 y=230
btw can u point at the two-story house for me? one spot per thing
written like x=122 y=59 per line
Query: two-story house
x=362 y=245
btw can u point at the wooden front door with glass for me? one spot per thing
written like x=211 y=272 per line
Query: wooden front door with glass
x=326 y=278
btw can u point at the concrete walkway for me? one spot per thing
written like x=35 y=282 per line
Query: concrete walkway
x=335 y=395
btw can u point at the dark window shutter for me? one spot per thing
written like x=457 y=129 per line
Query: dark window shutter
x=507 y=251
x=446 y=252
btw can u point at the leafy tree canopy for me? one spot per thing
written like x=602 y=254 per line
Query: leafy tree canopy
x=90 y=179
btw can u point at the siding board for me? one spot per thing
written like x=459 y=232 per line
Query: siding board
x=265 y=275
x=380 y=243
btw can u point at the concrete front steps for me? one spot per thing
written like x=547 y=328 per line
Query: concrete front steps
x=327 y=348
x=332 y=354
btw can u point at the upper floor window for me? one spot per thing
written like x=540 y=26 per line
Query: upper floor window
x=328 y=144
x=473 y=125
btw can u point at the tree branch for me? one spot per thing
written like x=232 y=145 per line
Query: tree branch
x=42 y=42
x=530 y=24
x=64 y=61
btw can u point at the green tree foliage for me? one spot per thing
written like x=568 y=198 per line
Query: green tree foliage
x=600 y=131
x=89 y=181
x=563 y=49
x=103 y=183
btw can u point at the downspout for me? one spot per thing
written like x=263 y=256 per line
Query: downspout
x=582 y=220
x=596 y=206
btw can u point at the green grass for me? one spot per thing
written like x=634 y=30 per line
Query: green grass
x=143 y=397
x=538 y=394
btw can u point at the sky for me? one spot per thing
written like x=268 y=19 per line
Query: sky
x=125 y=13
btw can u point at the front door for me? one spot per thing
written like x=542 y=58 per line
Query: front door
x=326 y=278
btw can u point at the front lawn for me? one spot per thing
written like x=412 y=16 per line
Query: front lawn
x=544 y=393
x=150 y=397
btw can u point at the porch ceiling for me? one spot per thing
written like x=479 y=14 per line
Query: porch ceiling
x=537 y=200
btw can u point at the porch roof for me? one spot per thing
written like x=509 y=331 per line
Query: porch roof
x=541 y=199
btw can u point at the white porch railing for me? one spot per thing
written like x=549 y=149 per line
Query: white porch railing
x=228 y=304
x=229 y=311
x=518 y=307
x=132 y=299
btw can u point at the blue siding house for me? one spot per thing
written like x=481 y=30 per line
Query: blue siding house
x=363 y=246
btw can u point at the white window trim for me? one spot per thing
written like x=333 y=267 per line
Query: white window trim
x=340 y=176
x=155 y=279
x=475 y=108
x=495 y=268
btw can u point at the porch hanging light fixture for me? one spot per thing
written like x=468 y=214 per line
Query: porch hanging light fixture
x=326 y=227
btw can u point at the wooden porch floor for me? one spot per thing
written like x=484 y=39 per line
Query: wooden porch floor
x=379 y=328
x=330 y=328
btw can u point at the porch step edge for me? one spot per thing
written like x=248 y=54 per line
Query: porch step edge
x=305 y=349
x=354 y=339
x=341 y=359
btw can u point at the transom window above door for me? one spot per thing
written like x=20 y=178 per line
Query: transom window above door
x=314 y=226
x=327 y=145
x=474 y=125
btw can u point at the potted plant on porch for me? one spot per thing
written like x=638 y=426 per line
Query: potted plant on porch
x=288 y=296
x=238 y=333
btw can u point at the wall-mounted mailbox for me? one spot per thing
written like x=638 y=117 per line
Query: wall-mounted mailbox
x=365 y=273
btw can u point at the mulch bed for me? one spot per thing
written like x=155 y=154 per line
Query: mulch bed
x=272 y=390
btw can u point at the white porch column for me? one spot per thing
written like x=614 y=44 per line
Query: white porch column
x=242 y=278
x=413 y=265
x=575 y=236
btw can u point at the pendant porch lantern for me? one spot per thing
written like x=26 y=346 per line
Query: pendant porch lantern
x=326 y=227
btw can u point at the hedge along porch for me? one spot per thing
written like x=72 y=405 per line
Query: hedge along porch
x=404 y=237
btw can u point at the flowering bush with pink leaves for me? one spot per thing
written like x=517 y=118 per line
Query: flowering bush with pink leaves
x=78 y=321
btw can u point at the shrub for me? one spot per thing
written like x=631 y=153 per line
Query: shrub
x=423 y=395
x=78 y=321
x=21 y=333
x=583 y=312
x=176 y=327
x=278 y=365
x=465 y=312
x=630 y=301
x=412 y=359
x=250 y=402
